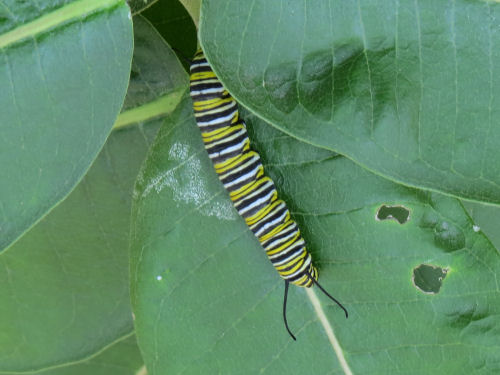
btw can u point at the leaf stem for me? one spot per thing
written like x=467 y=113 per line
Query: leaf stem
x=73 y=11
x=161 y=106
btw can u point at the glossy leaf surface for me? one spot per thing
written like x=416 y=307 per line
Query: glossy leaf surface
x=66 y=292
x=409 y=90
x=64 y=69
x=421 y=295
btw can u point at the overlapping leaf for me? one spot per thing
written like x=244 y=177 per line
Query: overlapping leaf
x=154 y=77
x=120 y=358
x=422 y=294
x=175 y=25
x=409 y=90
x=64 y=70
x=65 y=294
x=486 y=219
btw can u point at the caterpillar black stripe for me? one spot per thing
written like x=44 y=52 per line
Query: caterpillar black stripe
x=242 y=174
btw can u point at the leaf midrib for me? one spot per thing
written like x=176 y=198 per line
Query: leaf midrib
x=318 y=310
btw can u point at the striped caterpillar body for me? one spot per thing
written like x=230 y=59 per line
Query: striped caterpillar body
x=241 y=172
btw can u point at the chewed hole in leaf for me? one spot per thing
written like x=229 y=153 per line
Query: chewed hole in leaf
x=399 y=213
x=428 y=278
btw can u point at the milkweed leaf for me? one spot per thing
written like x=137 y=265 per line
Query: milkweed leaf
x=407 y=89
x=421 y=294
x=59 y=97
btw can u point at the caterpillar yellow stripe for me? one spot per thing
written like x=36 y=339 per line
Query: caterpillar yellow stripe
x=242 y=174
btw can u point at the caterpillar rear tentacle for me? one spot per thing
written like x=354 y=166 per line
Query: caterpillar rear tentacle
x=241 y=172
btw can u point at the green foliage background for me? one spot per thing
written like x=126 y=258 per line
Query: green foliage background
x=120 y=252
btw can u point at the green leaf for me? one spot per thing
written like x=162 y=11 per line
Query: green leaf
x=422 y=295
x=193 y=7
x=157 y=79
x=486 y=219
x=65 y=294
x=120 y=358
x=156 y=73
x=174 y=24
x=64 y=69
x=137 y=6
x=409 y=90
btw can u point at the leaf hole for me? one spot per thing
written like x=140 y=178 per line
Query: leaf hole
x=428 y=278
x=399 y=213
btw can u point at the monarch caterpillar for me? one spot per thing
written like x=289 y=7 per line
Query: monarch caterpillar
x=241 y=172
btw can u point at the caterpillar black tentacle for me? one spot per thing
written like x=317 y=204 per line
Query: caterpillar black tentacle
x=285 y=298
x=242 y=174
